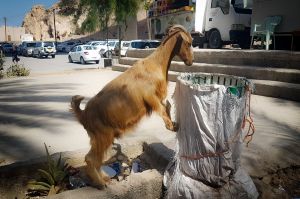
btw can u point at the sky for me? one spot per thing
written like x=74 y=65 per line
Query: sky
x=15 y=10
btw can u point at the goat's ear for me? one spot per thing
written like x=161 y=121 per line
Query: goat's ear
x=184 y=36
x=170 y=30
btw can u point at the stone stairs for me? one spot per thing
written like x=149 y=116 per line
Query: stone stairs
x=274 y=73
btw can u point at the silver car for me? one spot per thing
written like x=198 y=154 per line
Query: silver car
x=44 y=49
x=27 y=48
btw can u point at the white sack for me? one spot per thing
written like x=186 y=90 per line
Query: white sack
x=209 y=143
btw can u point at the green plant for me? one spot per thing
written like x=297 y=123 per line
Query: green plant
x=1 y=74
x=17 y=70
x=1 y=60
x=52 y=179
x=1 y=64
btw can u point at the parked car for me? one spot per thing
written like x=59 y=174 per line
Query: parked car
x=26 y=48
x=124 y=47
x=97 y=44
x=66 y=46
x=144 y=44
x=44 y=49
x=84 y=54
x=107 y=50
x=7 y=48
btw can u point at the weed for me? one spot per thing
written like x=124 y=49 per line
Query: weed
x=17 y=70
x=52 y=179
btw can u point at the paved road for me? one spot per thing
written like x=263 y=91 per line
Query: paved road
x=49 y=65
x=34 y=110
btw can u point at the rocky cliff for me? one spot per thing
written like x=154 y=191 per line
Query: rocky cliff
x=40 y=23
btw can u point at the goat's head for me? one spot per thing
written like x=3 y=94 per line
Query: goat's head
x=183 y=47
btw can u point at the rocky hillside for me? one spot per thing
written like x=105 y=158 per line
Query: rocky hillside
x=40 y=23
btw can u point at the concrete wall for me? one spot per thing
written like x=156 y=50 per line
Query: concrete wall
x=288 y=9
x=13 y=33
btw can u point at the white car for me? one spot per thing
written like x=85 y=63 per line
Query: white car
x=124 y=47
x=107 y=50
x=97 y=44
x=84 y=54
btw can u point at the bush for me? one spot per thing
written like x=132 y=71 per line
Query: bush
x=17 y=70
x=1 y=74
x=1 y=61
x=1 y=65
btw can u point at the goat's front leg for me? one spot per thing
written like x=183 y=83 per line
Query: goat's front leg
x=164 y=112
x=167 y=107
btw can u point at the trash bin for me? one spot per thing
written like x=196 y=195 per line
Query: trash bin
x=211 y=110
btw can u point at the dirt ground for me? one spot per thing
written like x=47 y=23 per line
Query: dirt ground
x=283 y=183
x=279 y=184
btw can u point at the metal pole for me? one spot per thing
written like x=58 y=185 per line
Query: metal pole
x=54 y=28
x=5 y=34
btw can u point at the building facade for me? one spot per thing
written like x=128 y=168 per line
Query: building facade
x=12 y=34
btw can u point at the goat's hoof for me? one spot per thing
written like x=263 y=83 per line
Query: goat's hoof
x=107 y=179
x=99 y=186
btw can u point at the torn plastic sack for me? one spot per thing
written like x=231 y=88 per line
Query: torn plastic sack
x=211 y=110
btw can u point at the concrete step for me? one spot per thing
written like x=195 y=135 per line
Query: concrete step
x=250 y=72
x=268 y=88
x=259 y=58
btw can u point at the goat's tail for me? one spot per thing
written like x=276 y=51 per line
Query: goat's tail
x=75 y=103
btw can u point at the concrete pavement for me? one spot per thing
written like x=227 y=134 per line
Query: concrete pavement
x=34 y=110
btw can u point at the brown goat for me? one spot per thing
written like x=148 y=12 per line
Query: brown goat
x=121 y=104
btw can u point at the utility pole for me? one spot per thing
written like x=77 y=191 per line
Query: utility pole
x=5 y=34
x=54 y=28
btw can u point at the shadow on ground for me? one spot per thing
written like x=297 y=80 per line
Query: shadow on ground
x=275 y=145
x=25 y=104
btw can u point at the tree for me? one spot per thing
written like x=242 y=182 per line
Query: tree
x=124 y=10
x=99 y=12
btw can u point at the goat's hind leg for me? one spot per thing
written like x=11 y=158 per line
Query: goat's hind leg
x=92 y=168
x=94 y=159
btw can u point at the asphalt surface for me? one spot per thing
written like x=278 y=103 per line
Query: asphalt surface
x=49 y=65
x=35 y=110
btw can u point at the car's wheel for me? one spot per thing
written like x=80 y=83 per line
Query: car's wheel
x=39 y=55
x=70 y=59
x=53 y=56
x=214 y=39
x=97 y=62
x=82 y=60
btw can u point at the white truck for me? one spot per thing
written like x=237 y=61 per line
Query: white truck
x=215 y=22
